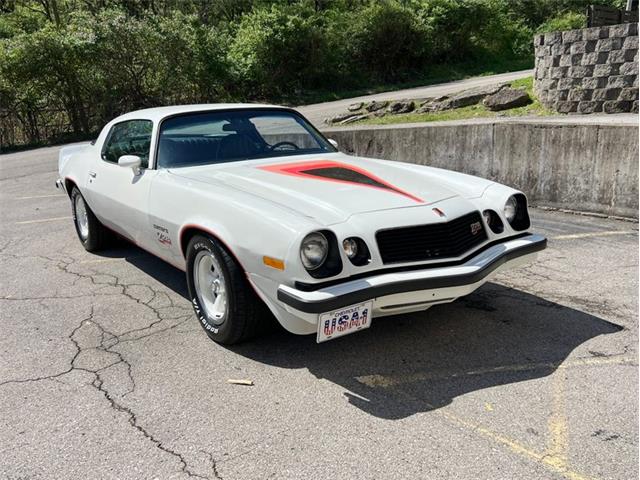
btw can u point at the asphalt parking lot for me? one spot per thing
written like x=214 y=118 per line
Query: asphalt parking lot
x=105 y=372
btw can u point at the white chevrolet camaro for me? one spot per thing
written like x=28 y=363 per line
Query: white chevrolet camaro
x=267 y=217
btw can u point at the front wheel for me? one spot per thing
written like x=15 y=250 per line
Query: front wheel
x=92 y=234
x=227 y=308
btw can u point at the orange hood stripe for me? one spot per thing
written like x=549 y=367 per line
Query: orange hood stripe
x=324 y=169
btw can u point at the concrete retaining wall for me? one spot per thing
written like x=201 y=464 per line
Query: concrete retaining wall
x=588 y=70
x=588 y=167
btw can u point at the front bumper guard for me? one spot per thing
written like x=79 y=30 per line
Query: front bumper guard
x=356 y=291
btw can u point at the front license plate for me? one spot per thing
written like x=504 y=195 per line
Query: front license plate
x=344 y=321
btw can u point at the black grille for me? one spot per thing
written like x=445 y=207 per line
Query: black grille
x=431 y=242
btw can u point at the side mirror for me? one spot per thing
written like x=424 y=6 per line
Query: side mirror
x=131 y=161
x=333 y=142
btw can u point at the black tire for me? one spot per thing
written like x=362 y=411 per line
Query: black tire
x=97 y=236
x=246 y=314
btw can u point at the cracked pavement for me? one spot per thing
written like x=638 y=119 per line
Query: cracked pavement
x=105 y=372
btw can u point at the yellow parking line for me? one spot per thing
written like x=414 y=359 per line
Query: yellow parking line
x=556 y=457
x=511 y=444
x=558 y=428
x=43 y=220
x=594 y=234
x=39 y=196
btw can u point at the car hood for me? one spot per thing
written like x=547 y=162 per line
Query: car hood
x=330 y=188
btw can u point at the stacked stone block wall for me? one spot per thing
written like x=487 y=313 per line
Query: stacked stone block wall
x=589 y=70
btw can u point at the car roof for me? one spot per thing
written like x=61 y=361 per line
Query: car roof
x=158 y=113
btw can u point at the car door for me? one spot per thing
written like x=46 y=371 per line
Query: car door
x=120 y=195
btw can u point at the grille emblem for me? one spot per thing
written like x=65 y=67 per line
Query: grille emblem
x=438 y=211
x=475 y=228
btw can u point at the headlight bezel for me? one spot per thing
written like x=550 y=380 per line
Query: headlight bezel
x=331 y=264
x=510 y=209
x=493 y=221
x=520 y=220
x=320 y=240
x=362 y=256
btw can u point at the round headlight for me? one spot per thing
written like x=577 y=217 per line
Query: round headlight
x=350 y=246
x=313 y=250
x=511 y=209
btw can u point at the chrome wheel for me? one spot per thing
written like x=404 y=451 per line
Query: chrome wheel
x=82 y=218
x=210 y=286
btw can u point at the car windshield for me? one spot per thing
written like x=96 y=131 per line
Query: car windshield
x=233 y=135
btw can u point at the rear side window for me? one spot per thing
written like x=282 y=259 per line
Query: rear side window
x=132 y=137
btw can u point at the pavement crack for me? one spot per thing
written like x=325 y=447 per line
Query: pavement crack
x=162 y=307
x=214 y=465
x=72 y=365
x=98 y=383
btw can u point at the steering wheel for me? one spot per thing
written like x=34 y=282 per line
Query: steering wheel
x=280 y=144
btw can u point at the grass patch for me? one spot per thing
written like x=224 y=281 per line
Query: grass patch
x=474 y=111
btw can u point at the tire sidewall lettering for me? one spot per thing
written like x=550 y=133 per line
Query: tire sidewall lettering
x=198 y=246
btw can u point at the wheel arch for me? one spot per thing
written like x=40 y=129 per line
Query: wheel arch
x=188 y=231
x=69 y=183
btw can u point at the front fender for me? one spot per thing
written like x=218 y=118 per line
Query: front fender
x=249 y=227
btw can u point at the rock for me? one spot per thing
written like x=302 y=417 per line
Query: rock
x=400 y=107
x=429 y=107
x=507 y=98
x=423 y=101
x=353 y=118
x=469 y=97
x=341 y=118
x=427 y=101
x=354 y=107
x=375 y=106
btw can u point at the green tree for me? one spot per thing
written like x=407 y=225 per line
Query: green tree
x=386 y=40
x=279 y=48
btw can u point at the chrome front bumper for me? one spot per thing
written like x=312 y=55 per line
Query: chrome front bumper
x=379 y=285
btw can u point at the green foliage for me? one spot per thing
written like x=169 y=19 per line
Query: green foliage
x=386 y=40
x=563 y=21
x=68 y=66
x=279 y=48
x=536 y=12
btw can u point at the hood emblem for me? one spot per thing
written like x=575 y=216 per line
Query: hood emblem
x=439 y=212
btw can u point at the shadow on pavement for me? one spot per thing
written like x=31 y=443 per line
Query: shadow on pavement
x=166 y=274
x=495 y=336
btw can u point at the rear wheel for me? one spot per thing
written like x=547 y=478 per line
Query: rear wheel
x=227 y=308
x=92 y=234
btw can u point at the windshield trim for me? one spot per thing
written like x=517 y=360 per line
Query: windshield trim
x=317 y=134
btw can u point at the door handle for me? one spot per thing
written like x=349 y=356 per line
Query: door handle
x=92 y=174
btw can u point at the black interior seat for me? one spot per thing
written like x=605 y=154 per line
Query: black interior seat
x=238 y=145
x=179 y=151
